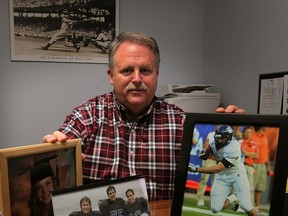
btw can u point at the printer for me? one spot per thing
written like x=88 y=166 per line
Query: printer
x=190 y=98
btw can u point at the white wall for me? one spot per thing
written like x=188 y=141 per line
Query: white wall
x=36 y=97
x=243 y=39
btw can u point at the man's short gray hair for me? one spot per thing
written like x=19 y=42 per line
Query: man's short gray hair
x=134 y=37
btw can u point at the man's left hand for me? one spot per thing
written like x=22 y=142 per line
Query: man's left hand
x=230 y=109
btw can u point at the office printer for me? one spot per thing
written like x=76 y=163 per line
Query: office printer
x=191 y=98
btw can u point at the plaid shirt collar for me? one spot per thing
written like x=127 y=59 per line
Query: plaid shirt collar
x=122 y=113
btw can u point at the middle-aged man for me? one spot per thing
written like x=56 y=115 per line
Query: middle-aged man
x=129 y=131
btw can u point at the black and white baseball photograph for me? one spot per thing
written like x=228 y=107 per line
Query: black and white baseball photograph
x=63 y=31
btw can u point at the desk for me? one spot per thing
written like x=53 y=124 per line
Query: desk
x=160 y=207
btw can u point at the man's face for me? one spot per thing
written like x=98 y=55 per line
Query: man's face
x=112 y=195
x=130 y=196
x=85 y=207
x=43 y=190
x=134 y=76
x=247 y=133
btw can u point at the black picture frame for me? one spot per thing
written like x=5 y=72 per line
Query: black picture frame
x=278 y=192
x=67 y=200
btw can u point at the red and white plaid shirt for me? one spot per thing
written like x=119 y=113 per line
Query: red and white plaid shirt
x=117 y=147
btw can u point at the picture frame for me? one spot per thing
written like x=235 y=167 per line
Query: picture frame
x=67 y=200
x=186 y=183
x=272 y=93
x=25 y=168
x=63 y=31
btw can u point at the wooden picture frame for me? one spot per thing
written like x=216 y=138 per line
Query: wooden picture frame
x=187 y=183
x=23 y=166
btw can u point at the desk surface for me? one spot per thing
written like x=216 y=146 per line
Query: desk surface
x=160 y=207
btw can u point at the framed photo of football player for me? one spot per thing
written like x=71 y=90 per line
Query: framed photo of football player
x=63 y=31
x=30 y=173
x=126 y=196
x=232 y=164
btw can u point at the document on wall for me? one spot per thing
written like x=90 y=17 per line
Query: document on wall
x=271 y=96
x=285 y=96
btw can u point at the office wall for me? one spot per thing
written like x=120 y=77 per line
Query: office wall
x=243 y=39
x=36 y=97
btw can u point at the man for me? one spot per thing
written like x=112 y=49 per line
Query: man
x=113 y=206
x=204 y=176
x=250 y=150
x=261 y=164
x=129 y=131
x=135 y=205
x=103 y=40
x=63 y=33
x=230 y=172
x=86 y=208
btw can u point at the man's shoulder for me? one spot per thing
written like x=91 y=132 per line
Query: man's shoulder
x=103 y=202
x=75 y=213
x=233 y=146
x=141 y=200
x=167 y=108
x=95 y=213
x=120 y=200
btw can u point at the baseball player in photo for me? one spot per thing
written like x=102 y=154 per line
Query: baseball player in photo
x=63 y=33
x=230 y=172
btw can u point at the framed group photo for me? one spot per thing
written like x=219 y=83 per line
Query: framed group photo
x=30 y=173
x=63 y=31
x=126 y=196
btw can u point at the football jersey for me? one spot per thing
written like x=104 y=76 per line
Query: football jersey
x=137 y=208
x=229 y=155
x=109 y=208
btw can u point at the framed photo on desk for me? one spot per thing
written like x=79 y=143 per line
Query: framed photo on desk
x=197 y=128
x=27 y=170
x=129 y=195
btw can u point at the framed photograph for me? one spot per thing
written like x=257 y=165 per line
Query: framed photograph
x=63 y=31
x=273 y=93
x=233 y=141
x=30 y=173
x=127 y=196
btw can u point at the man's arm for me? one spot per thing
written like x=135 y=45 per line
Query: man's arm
x=209 y=170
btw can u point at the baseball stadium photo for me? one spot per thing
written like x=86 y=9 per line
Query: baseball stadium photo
x=63 y=31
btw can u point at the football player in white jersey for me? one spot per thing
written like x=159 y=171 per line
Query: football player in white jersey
x=230 y=172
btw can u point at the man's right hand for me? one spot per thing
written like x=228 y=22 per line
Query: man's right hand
x=57 y=136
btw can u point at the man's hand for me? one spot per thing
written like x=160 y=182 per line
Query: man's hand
x=230 y=109
x=205 y=153
x=57 y=136
x=192 y=168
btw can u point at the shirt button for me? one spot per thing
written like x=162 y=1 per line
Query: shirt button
x=131 y=153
